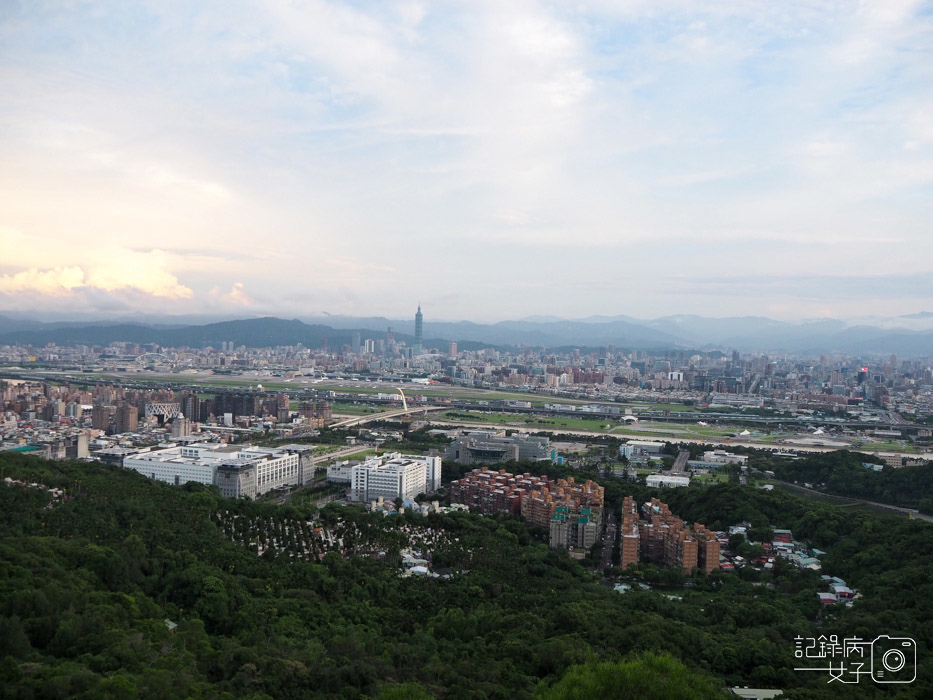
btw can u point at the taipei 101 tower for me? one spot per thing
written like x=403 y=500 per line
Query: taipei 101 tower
x=419 y=330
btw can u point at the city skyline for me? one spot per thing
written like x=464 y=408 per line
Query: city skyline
x=505 y=161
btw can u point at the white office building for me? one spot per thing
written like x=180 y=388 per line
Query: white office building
x=641 y=449
x=394 y=475
x=666 y=481
x=238 y=471
x=432 y=473
x=340 y=472
x=723 y=457
x=177 y=465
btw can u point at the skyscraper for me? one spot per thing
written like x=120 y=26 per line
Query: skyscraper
x=419 y=330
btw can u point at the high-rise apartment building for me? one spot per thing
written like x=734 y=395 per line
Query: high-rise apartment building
x=629 y=533
x=492 y=491
x=126 y=418
x=181 y=427
x=101 y=417
x=315 y=413
x=660 y=536
x=191 y=406
x=570 y=511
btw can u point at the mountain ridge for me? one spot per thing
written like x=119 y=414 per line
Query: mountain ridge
x=679 y=332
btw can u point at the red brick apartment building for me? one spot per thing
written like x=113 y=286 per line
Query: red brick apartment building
x=491 y=491
x=662 y=538
x=629 y=533
x=571 y=511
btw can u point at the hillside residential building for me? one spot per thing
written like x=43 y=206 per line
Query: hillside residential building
x=490 y=491
x=661 y=537
x=629 y=540
x=571 y=511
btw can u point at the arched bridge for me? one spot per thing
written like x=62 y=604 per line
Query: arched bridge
x=394 y=413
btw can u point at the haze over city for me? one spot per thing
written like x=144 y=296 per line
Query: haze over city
x=499 y=159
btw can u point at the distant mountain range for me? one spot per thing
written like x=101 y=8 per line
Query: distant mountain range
x=253 y=332
x=899 y=336
x=747 y=333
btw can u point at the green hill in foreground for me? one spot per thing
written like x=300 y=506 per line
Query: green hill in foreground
x=87 y=584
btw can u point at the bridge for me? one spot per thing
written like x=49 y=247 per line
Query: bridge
x=405 y=411
x=385 y=415
x=680 y=464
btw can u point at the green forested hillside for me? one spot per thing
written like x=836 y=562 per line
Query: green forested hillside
x=86 y=586
x=842 y=473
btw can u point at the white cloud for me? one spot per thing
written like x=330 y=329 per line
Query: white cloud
x=235 y=297
x=120 y=270
x=356 y=155
x=146 y=272
x=56 y=282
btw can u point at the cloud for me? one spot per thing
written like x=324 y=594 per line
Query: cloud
x=146 y=272
x=57 y=282
x=829 y=286
x=120 y=270
x=169 y=152
x=235 y=297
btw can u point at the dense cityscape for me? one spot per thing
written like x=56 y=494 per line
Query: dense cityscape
x=466 y=351
x=69 y=401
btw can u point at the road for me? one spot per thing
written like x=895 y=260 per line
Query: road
x=884 y=506
x=680 y=464
x=609 y=541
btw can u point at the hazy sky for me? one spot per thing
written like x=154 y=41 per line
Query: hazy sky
x=489 y=159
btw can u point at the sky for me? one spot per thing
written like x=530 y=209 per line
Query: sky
x=490 y=160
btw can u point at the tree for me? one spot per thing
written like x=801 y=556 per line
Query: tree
x=646 y=677
x=404 y=691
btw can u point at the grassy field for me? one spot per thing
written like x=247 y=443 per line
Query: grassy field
x=437 y=391
x=890 y=445
x=716 y=431
x=496 y=418
x=571 y=423
x=672 y=407
x=360 y=455
x=711 y=478
x=528 y=421
x=176 y=380
x=653 y=428
x=351 y=409
x=323 y=459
